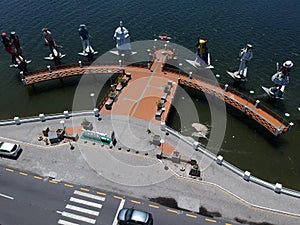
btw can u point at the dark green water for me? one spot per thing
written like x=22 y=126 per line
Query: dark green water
x=271 y=26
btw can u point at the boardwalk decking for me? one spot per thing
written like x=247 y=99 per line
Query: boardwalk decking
x=145 y=89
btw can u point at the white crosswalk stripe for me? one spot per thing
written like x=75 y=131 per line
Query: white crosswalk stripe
x=84 y=202
x=79 y=207
x=88 y=195
x=64 y=222
x=77 y=217
x=83 y=210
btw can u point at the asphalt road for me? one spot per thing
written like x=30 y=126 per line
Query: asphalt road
x=28 y=199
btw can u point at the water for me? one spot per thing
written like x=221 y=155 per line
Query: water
x=271 y=26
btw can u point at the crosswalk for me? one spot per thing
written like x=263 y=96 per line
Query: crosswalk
x=82 y=208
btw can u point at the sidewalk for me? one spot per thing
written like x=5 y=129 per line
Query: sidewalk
x=131 y=168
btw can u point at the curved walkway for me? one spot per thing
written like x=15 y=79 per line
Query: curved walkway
x=219 y=190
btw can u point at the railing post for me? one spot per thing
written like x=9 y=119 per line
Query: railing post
x=225 y=87
x=49 y=68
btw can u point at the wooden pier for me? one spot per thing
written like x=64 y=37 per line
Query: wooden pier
x=141 y=95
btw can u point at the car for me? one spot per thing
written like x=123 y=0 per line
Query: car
x=9 y=149
x=131 y=216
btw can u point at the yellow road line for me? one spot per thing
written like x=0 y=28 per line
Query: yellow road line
x=190 y=215
x=101 y=193
x=172 y=211
x=53 y=181
x=9 y=170
x=118 y=197
x=84 y=189
x=209 y=220
x=37 y=177
x=228 y=224
x=136 y=202
x=154 y=206
x=23 y=174
x=69 y=185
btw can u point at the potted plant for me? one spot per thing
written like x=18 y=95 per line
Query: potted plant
x=167 y=89
x=159 y=104
x=87 y=124
x=112 y=95
x=121 y=80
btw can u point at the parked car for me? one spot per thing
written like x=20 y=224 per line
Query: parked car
x=9 y=149
x=134 y=217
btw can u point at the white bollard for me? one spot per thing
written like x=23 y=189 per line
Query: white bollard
x=120 y=63
x=195 y=145
x=247 y=175
x=42 y=117
x=66 y=114
x=278 y=188
x=220 y=159
x=17 y=120
x=256 y=103
x=163 y=126
x=80 y=64
x=96 y=112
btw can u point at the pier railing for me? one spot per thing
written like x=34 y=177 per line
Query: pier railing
x=277 y=188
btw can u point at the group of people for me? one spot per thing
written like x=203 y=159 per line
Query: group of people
x=12 y=46
x=121 y=35
x=280 y=78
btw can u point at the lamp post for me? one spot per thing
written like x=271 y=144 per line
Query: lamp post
x=180 y=65
x=286 y=114
x=162 y=141
x=92 y=95
x=62 y=122
x=123 y=57
x=246 y=106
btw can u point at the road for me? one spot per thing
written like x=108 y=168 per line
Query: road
x=28 y=199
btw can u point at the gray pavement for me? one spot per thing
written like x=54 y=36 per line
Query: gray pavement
x=131 y=168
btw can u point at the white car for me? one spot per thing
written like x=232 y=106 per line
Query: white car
x=9 y=149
